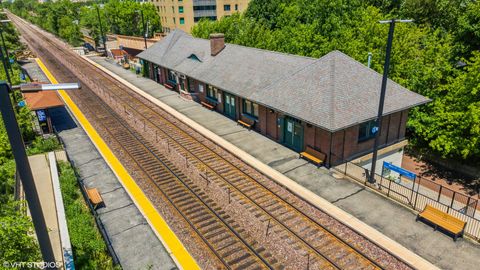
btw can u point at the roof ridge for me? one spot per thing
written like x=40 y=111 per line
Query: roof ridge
x=258 y=49
x=177 y=34
x=332 y=90
x=300 y=69
x=371 y=70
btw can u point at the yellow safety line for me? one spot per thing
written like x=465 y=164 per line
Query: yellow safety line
x=168 y=237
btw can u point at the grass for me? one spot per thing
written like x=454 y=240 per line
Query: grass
x=41 y=145
x=89 y=249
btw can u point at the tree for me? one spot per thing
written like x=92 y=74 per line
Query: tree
x=451 y=125
x=468 y=32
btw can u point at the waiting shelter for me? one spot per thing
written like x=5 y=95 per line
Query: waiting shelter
x=40 y=103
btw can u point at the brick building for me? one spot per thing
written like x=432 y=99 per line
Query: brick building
x=183 y=14
x=327 y=103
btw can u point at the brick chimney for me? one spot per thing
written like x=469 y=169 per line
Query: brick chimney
x=217 y=43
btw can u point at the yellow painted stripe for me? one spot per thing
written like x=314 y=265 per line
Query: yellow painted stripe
x=167 y=236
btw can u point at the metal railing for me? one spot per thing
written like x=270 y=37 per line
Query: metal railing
x=204 y=13
x=204 y=2
x=417 y=194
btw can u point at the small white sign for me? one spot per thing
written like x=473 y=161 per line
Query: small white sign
x=289 y=126
x=200 y=88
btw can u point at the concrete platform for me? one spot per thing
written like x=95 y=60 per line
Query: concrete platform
x=133 y=240
x=388 y=217
x=43 y=182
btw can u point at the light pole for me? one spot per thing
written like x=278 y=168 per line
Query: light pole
x=386 y=67
x=143 y=26
x=101 y=31
x=22 y=164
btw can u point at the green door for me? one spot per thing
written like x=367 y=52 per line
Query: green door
x=293 y=134
x=229 y=108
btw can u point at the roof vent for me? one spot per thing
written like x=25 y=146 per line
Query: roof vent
x=194 y=57
x=217 y=43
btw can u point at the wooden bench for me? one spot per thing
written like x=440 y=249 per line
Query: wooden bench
x=169 y=86
x=444 y=220
x=248 y=123
x=94 y=197
x=313 y=155
x=208 y=105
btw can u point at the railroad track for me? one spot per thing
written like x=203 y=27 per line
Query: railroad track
x=131 y=118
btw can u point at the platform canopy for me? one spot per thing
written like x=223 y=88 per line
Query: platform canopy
x=42 y=100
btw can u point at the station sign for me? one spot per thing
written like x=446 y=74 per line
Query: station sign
x=399 y=170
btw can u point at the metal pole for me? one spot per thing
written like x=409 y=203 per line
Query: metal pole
x=382 y=101
x=25 y=173
x=6 y=51
x=144 y=30
x=369 y=59
x=101 y=31
x=413 y=190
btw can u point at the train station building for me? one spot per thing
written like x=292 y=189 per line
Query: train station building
x=328 y=104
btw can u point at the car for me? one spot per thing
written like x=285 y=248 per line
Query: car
x=88 y=46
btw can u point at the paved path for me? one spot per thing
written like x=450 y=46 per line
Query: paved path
x=134 y=242
x=395 y=221
x=43 y=183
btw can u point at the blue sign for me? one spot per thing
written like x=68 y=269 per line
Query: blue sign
x=22 y=76
x=12 y=60
x=41 y=115
x=374 y=130
x=399 y=170
x=22 y=103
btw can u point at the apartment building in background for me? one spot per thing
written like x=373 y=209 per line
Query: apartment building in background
x=183 y=14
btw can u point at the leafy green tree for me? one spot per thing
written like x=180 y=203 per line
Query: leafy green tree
x=451 y=125
x=16 y=242
x=123 y=17
x=468 y=31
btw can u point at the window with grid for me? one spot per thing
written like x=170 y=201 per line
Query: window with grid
x=250 y=108
x=212 y=92
x=367 y=130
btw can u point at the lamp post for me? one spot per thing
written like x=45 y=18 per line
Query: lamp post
x=143 y=26
x=371 y=178
x=21 y=160
x=101 y=30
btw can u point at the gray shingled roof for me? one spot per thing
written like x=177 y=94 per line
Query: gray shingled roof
x=333 y=92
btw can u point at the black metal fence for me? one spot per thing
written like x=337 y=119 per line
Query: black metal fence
x=417 y=193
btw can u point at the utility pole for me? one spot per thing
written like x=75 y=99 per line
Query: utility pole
x=144 y=29
x=25 y=172
x=386 y=67
x=101 y=31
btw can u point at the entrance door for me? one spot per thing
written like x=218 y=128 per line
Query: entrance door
x=293 y=134
x=229 y=108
